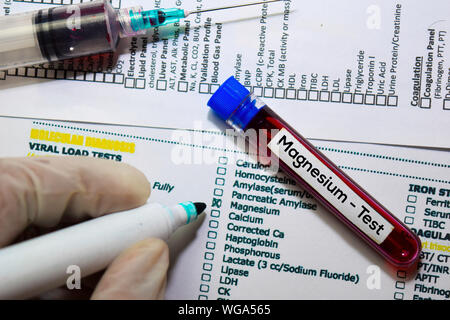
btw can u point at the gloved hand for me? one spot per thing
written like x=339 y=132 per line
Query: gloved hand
x=45 y=193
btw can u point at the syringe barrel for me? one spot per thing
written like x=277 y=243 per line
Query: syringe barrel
x=58 y=33
x=18 y=42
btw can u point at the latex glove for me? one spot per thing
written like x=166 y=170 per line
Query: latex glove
x=48 y=192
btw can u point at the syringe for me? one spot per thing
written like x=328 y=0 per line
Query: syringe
x=72 y=31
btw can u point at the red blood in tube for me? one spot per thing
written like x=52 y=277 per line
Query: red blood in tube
x=316 y=173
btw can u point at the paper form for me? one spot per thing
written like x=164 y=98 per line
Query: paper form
x=263 y=237
x=368 y=71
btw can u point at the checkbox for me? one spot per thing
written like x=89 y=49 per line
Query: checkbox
x=214 y=224
x=216 y=203
x=268 y=92
x=204 y=88
x=291 y=94
x=129 y=82
x=13 y=72
x=401 y=274
x=21 y=72
x=206 y=277
x=119 y=78
x=204 y=288
x=60 y=74
x=202 y=297
x=249 y=88
x=40 y=73
x=220 y=181
x=51 y=73
x=313 y=95
x=2 y=75
x=398 y=295
x=370 y=99
x=410 y=209
x=212 y=235
x=412 y=199
x=358 y=98
x=409 y=220
x=210 y=245
x=218 y=192
x=324 y=96
x=140 y=83
x=215 y=213
x=446 y=103
x=88 y=76
x=209 y=256
x=221 y=171
x=279 y=93
x=183 y=86
x=400 y=284
x=335 y=97
x=31 y=72
x=109 y=78
x=381 y=100
x=425 y=103
x=70 y=75
x=302 y=94
x=347 y=97
x=79 y=75
x=392 y=101
x=161 y=85
x=99 y=77
x=214 y=88
x=223 y=160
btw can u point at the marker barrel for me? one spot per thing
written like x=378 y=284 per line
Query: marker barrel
x=41 y=264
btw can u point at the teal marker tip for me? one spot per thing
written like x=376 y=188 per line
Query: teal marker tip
x=193 y=210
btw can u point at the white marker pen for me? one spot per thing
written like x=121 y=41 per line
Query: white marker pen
x=38 y=265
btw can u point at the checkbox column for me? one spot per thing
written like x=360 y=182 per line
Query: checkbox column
x=400 y=285
x=213 y=224
x=410 y=209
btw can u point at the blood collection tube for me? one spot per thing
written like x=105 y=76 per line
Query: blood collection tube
x=316 y=173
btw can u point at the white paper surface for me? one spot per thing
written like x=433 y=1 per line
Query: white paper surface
x=318 y=257
x=385 y=62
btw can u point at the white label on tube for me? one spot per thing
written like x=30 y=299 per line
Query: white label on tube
x=286 y=147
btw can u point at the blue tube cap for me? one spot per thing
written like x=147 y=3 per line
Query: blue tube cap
x=228 y=98
x=234 y=104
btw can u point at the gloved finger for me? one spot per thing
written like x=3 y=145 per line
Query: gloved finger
x=139 y=273
x=45 y=191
